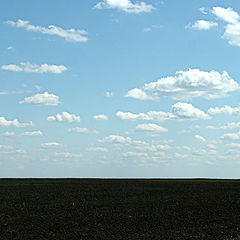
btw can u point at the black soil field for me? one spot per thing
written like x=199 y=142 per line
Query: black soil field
x=42 y=209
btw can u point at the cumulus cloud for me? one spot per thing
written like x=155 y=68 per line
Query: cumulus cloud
x=188 y=111
x=51 y=145
x=187 y=85
x=125 y=5
x=32 y=134
x=13 y=123
x=28 y=67
x=180 y=111
x=46 y=99
x=151 y=127
x=203 y=25
x=71 y=35
x=64 y=117
x=232 y=136
x=100 y=117
x=139 y=94
x=116 y=139
x=200 y=138
x=97 y=149
x=232 y=29
x=82 y=130
x=225 y=110
x=226 y=14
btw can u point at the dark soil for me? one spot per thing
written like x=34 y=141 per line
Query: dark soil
x=57 y=209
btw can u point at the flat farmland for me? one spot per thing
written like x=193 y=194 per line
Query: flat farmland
x=130 y=209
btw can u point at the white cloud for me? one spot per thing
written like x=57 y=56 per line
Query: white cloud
x=51 y=145
x=116 y=139
x=203 y=25
x=8 y=134
x=180 y=111
x=151 y=127
x=147 y=29
x=42 y=99
x=100 y=117
x=225 y=110
x=232 y=125
x=64 y=117
x=10 y=48
x=149 y=116
x=226 y=14
x=139 y=94
x=97 y=149
x=200 y=138
x=186 y=85
x=32 y=134
x=203 y=10
x=109 y=94
x=125 y=5
x=134 y=154
x=71 y=35
x=68 y=155
x=188 y=111
x=232 y=30
x=13 y=123
x=28 y=67
x=232 y=136
x=163 y=147
x=82 y=130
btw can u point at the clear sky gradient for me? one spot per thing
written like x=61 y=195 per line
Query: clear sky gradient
x=120 y=88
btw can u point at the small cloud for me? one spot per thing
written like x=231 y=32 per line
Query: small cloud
x=200 y=138
x=203 y=10
x=147 y=29
x=225 y=110
x=70 y=35
x=10 y=48
x=125 y=5
x=34 y=68
x=97 y=149
x=109 y=94
x=13 y=123
x=46 y=99
x=232 y=136
x=33 y=134
x=101 y=117
x=150 y=127
x=116 y=139
x=82 y=130
x=64 y=117
x=203 y=25
x=51 y=145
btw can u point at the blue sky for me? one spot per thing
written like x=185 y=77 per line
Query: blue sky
x=120 y=88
